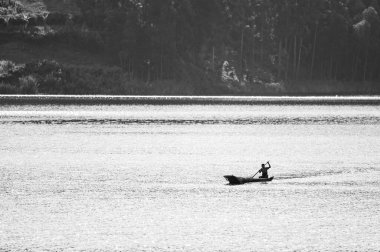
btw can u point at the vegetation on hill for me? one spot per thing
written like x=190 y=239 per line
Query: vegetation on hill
x=190 y=46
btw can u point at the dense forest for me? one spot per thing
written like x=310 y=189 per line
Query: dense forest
x=215 y=46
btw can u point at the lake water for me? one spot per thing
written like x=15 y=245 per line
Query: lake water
x=150 y=178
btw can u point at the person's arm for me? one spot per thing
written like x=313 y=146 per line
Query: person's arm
x=269 y=165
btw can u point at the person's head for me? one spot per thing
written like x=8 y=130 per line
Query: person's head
x=262 y=165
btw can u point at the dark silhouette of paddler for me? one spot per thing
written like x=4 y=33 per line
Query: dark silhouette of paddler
x=264 y=170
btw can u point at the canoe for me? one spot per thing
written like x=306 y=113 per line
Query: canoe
x=240 y=180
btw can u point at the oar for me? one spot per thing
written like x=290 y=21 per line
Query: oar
x=256 y=173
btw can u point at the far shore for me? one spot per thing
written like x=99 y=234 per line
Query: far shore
x=185 y=100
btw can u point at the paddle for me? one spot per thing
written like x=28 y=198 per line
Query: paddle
x=256 y=173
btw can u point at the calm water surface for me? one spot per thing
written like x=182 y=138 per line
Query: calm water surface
x=150 y=178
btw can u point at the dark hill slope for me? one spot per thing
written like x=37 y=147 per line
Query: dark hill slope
x=53 y=55
x=50 y=38
x=61 y=6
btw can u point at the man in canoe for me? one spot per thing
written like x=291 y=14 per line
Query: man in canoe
x=264 y=170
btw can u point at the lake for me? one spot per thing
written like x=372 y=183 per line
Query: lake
x=149 y=177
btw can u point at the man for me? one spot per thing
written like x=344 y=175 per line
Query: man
x=264 y=170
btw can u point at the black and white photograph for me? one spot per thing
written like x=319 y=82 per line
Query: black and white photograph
x=189 y=125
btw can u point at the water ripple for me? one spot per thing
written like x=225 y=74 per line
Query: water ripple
x=319 y=173
x=244 y=121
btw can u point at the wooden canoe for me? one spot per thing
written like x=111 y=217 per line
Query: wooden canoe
x=240 y=180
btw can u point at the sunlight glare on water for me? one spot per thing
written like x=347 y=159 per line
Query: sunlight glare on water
x=150 y=178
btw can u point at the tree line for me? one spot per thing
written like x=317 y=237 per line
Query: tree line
x=294 y=39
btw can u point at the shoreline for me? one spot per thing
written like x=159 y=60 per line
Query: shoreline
x=185 y=100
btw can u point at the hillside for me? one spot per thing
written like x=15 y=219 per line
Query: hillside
x=37 y=34
x=189 y=47
x=29 y=21
x=38 y=6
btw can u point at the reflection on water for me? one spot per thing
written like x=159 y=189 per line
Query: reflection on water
x=150 y=178
x=258 y=120
x=195 y=114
